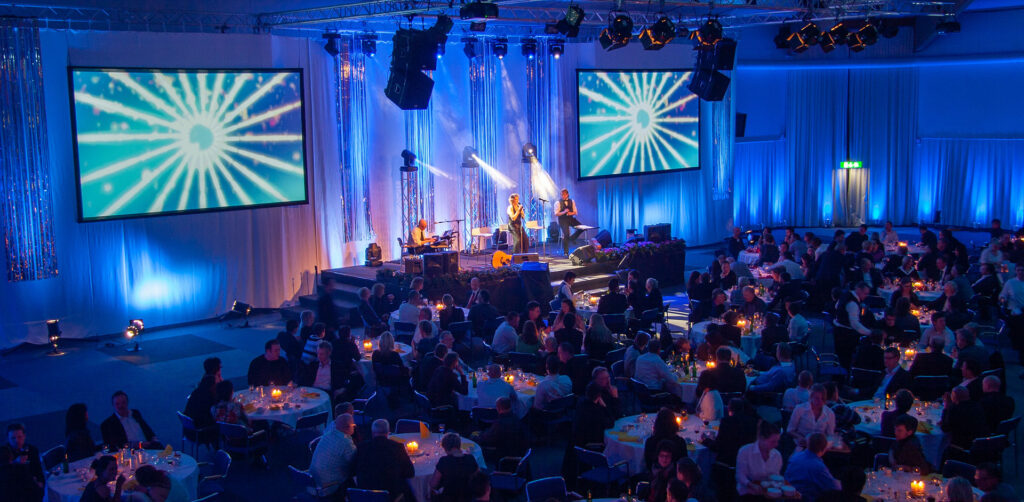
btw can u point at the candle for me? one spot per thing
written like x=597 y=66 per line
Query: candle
x=741 y=323
x=917 y=488
x=275 y=394
x=711 y=365
x=915 y=312
x=903 y=244
x=412 y=447
x=679 y=420
x=510 y=378
x=368 y=346
x=918 y=284
x=440 y=306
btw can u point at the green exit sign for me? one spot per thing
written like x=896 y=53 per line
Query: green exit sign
x=852 y=164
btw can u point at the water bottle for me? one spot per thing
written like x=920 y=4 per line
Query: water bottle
x=64 y=467
x=474 y=379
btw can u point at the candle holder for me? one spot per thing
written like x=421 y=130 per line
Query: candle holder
x=917 y=488
x=368 y=346
x=412 y=447
x=276 y=394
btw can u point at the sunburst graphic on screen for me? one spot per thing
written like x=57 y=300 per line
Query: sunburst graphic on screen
x=180 y=141
x=636 y=122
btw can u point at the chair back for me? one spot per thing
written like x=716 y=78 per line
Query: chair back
x=407 y=426
x=988 y=449
x=462 y=331
x=233 y=431
x=592 y=459
x=540 y=490
x=404 y=328
x=1008 y=426
x=614 y=356
x=861 y=378
x=617 y=371
x=696 y=310
x=50 y=458
x=881 y=460
x=484 y=415
x=187 y=424
x=882 y=444
x=650 y=315
x=489 y=328
x=301 y=477
x=313 y=443
x=221 y=463
x=930 y=388
x=616 y=323
x=357 y=495
x=523 y=361
x=562 y=404
x=311 y=421
x=954 y=468
x=523 y=467
x=552 y=316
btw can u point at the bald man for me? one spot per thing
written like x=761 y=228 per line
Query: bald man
x=419 y=238
x=332 y=460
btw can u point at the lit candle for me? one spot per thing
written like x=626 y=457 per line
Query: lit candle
x=741 y=323
x=903 y=244
x=679 y=420
x=412 y=447
x=275 y=394
x=918 y=284
x=440 y=306
x=917 y=488
x=711 y=365
x=593 y=300
x=368 y=346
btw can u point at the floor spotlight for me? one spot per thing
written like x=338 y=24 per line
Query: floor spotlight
x=659 y=34
x=133 y=332
x=529 y=152
x=501 y=47
x=54 y=332
x=557 y=48
x=331 y=46
x=529 y=48
x=408 y=162
x=242 y=308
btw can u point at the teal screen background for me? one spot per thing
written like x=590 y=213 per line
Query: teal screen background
x=169 y=141
x=634 y=122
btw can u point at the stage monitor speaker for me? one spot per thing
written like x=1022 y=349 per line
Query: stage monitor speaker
x=444 y=262
x=582 y=255
x=554 y=231
x=409 y=90
x=658 y=232
x=451 y=262
x=525 y=257
x=741 y=124
x=604 y=238
x=413 y=265
x=709 y=85
x=536 y=281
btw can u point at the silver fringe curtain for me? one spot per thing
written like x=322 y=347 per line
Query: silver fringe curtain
x=353 y=138
x=483 y=111
x=419 y=125
x=27 y=207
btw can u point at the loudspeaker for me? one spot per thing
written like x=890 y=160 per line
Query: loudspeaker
x=373 y=255
x=413 y=265
x=709 y=85
x=525 y=257
x=451 y=262
x=658 y=232
x=604 y=238
x=741 y=124
x=409 y=90
x=582 y=254
x=445 y=262
x=536 y=281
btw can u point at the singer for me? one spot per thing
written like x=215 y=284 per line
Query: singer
x=520 y=241
x=566 y=213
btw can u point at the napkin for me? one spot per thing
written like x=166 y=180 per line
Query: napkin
x=311 y=395
x=924 y=427
x=168 y=451
x=625 y=436
x=424 y=431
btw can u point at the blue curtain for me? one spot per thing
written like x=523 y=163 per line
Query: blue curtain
x=762 y=182
x=26 y=208
x=970 y=181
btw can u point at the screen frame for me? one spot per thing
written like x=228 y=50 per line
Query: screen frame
x=579 y=154
x=74 y=140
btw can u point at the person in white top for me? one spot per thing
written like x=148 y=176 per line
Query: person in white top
x=1013 y=292
x=812 y=416
x=938 y=329
x=419 y=237
x=489 y=391
x=787 y=264
x=992 y=254
x=553 y=386
x=652 y=371
x=889 y=235
x=758 y=461
x=505 y=337
x=409 y=311
x=331 y=465
x=798 y=327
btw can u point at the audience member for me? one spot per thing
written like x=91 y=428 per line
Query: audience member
x=482 y=313
x=801 y=393
x=609 y=392
x=156 y=486
x=690 y=474
x=447 y=380
x=505 y=337
x=963 y=421
x=902 y=402
x=227 y=410
x=663 y=469
x=327 y=376
x=727 y=377
x=126 y=426
x=371 y=320
x=906 y=453
x=988 y=477
x=450 y=481
x=383 y=464
x=592 y=418
x=291 y=343
x=752 y=304
x=780 y=376
x=382 y=302
x=959 y=489
x=269 y=368
x=506 y=434
x=473 y=297
x=29 y=480
x=652 y=371
x=528 y=341
x=78 y=442
x=493 y=388
x=967 y=348
x=552 y=386
x=812 y=416
x=970 y=372
x=869 y=354
x=726 y=279
x=388 y=367
x=98 y=490
x=409 y=310
x=798 y=327
x=613 y=302
x=598 y=340
x=317 y=334
x=450 y=313
x=998 y=406
x=568 y=333
x=846 y=417
x=807 y=472
x=758 y=461
x=737 y=428
x=933 y=362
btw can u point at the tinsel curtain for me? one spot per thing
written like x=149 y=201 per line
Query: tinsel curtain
x=541 y=102
x=484 y=106
x=353 y=138
x=723 y=123
x=27 y=208
x=419 y=125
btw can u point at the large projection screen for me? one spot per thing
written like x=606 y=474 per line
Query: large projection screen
x=636 y=122
x=170 y=141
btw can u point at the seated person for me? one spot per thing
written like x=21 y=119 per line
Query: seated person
x=227 y=410
x=952 y=304
x=331 y=465
x=446 y=381
x=801 y=393
x=737 y=428
x=726 y=377
x=869 y=354
x=772 y=333
x=576 y=368
x=906 y=453
x=726 y=279
x=529 y=341
x=388 y=367
x=751 y=304
x=371 y=319
x=383 y=464
x=325 y=375
x=780 y=376
x=812 y=416
x=569 y=333
x=846 y=418
x=894 y=377
x=758 y=461
x=505 y=337
x=494 y=388
x=998 y=406
x=634 y=352
x=730 y=332
x=450 y=481
x=989 y=479
x=934 y=362
x=592 y=418
x=938 y=329
x=78 y=442
x=963 y=421
x=269 y=368
x=409 y=311
x=902 y=402
x=553 y=386
x=663 y=470
x=599 y=339
x=613 y=302
x=719 y=304
x=652 y=371
x=506 y=434
x=25 y=477
x=799 y=330
x=906 y=289
x=666 y=429
x=127 y=427
x=425 y=370
x=807 y=472
x=450 y=313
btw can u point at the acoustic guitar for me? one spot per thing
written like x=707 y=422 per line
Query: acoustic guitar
x=501 y=259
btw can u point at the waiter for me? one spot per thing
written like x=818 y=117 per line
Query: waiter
x=566 y=213
x=515 y=224
x=420 y=241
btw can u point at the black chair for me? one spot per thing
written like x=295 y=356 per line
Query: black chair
x=1007 y=428
x=403 y=330
x=483 y=415
x=696 y=310
x=357 y=495
x=540 y=490
x=862 y=379
x=600 y=472
x=197 y=436
x=235 y=438
x=212 y=479
x=511 y=475
x=881 y=460
x=616 y=323
x=614 y=356
x=882 y=444
x=462 y=331
x=524 y=361
x=312 y=421
x=489 y=328
x=551 y=317
x=307 y=484
x=989 y=449
x=650 y=316
x=930 y=388
x=556 y=413
x=53 y=457
x=406 y=426
x=650 y=401
x=954 y=468
x=723 y=478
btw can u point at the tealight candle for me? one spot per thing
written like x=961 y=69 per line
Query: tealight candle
x=903 y=244
x=918 y=284
x=917 y=488
x=275 y=394
x=711 y=365
x=412 y=447
x=593 y=300
x=679 y=420
x=368 y=346
x=915 y=312
x=440 y=306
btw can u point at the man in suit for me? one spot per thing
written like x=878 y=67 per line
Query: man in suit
x=446 y=381
x=967 y=348
x=429 y=364
x=126 y=426
x=25 y=465
x=963 y=421
x=507 y=434
x=738 y=428
x=928 y=238
x=482 y=313
x=997 y=406
x=576 y=368
x=869 y=274
x=612 y=302
x=971 y=381
x=787 y=289
x=724 y=377
x=894 y=377
x=474 y=292
x=869 y=353
x=933 y=362
x=383 y=464
x=327 y=376
x=855 y=240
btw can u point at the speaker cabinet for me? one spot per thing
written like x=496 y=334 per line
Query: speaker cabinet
x=582 y=254
x=525 y=257
x=409 y=90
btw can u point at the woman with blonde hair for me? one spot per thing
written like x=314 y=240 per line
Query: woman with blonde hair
x=516 y=230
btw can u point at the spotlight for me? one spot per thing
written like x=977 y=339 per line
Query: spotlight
x=809 y=33
x=889 y=28
x=368 y=44
x=53 y=331
x=782 y=39
x=868 y=33
x=796 y=43
x=655 y=36
x=618 y=32
x=244 y=309
x=855 y=43
x=710 y=33
x=408 y=162
x=947 y=26
x=570 y=24
x=501 y=47
x=443 y=25
x=469 y=49
x=840 y=33
x=468 y=158
x=529 y=48
x=827 y=41
x=331 y=46
x=557 y=48
x=529 y=152
x=133 y=332
x=439 y=52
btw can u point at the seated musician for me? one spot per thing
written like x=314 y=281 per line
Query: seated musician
x=419 y=241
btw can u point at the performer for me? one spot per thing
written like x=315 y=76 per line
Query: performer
x=566 y=213
x=420 y=240
x=520 y=241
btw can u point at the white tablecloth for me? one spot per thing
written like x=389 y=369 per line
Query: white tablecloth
x=925 y=296
x=621 y=444
x=749 y=343
x=524 y=396
x=295 y=404
x=69 y=487
x=365 y=365
x=426 y=462
x=928 y=431
x=882 y=484
x=433 y=316
x=688 y=384
x=891 y=249
x=748 y=257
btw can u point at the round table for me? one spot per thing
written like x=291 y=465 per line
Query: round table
x=928 y=416
x=365 y=365
x=69 y=487
x=586 y=311
x=293 y=404
x=688 y=383
x=748 y=257
x=886 y=484
x=525 y=386
x=924 y=296
x=425 y=462
x=748 y=343
x=434 y=317
x=625 y=441
x=891 y=249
